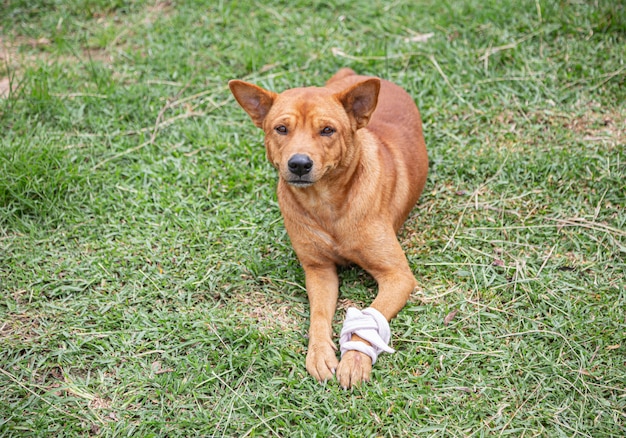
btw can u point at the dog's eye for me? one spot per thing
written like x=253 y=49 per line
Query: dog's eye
x=281 y=129
x=327 y=131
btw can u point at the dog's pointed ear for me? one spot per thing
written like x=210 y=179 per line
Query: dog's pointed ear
x=360 y=100
x=253 y=99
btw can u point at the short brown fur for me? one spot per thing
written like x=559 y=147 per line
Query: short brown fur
x=343 y=195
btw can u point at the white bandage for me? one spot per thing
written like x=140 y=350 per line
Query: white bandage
x=370 y=325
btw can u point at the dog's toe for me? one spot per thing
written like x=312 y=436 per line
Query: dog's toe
x=321 y=362
x=354 y=368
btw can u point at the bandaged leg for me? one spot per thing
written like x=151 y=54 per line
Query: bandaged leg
x=370 y=325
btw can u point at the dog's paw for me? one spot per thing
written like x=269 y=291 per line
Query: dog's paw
x=354 y=368
x=321 y=361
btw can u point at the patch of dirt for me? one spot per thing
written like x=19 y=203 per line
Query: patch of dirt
x=5 y=87
x=100 y=403
x=19 y=326
x=10 y=52
x=12 y=62
x=343 y=304
x=160 y=8
x=596 y=124
x=271 y=313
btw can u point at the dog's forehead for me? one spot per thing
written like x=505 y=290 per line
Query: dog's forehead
x=318 y=93
x=306 y=102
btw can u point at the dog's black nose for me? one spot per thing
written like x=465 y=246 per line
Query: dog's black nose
x=300 y=164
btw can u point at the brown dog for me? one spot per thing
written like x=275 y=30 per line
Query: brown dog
x=352 y=164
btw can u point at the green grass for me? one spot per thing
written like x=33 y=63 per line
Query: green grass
x=147 y=285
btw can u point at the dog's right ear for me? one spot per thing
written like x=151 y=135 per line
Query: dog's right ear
x=360 y=100
x=253 y=99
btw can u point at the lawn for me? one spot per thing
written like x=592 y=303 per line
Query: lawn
x=147 y=285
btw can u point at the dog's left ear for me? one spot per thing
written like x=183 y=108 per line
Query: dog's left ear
x=253 y=99
x=360 y=100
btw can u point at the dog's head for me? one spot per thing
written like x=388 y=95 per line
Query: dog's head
x=309 y=131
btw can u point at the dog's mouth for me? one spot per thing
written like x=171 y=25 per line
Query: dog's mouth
x=300 y=183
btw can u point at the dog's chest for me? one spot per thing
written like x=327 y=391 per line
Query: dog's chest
x=330 y=231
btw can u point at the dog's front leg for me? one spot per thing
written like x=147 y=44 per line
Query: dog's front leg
x=391 y=270
x=322 y=286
